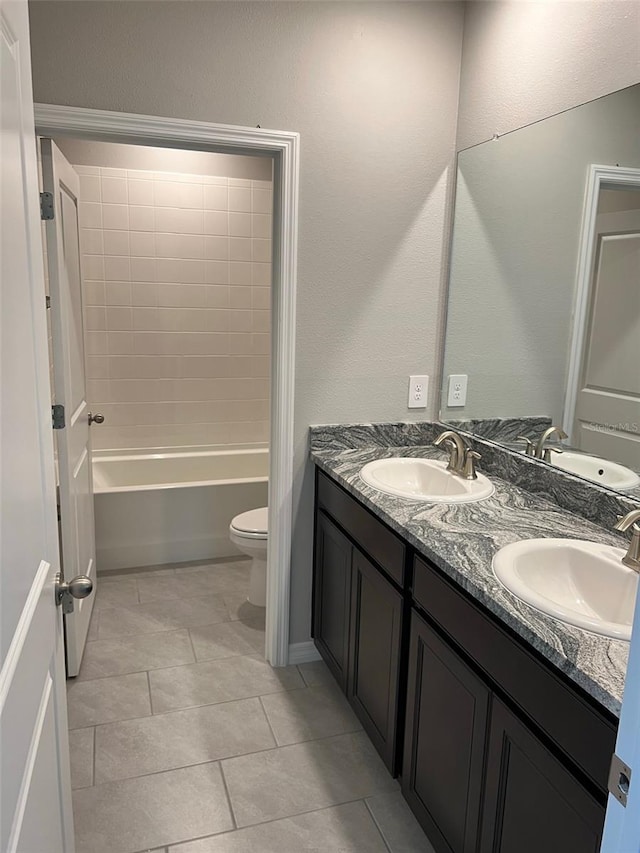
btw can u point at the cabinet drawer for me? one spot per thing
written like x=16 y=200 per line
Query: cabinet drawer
x=373 y=537
x=583 y=734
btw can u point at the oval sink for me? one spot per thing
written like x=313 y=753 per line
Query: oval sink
x=598 y=470
x=582 y=583
x=424 y=480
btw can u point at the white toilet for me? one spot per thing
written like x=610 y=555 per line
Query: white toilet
x=249 y=532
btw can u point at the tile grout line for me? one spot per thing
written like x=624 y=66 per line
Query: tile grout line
x=193 y=648
x=149 y=691
x=93 y=769
x=194 y=707
x=377 y=826
x=220 y=760
x=228 y=795
x=266 y=716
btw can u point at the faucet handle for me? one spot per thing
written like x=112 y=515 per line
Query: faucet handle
x=530 y=448
x=470 y=458
x=548 y=451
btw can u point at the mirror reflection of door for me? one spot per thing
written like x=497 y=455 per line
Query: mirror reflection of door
x=607 y=412
x=73 y=442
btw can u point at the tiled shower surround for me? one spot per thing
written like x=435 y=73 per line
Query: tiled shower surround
x=177 y=296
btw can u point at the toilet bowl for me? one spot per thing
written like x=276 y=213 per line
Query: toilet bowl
x=249 y=532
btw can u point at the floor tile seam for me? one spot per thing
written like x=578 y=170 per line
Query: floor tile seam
x=162 y=630
x=203 y=593
x=376 y=824
x=202 y=763
x=146 y=672
x=193 y=648
x=128 y=636
x=173 y=710
x=160 y=714
x=253 y=653
x=220 y=761
x=228 y=796
x=93 y=769
x=266 y=822
x=264 y=711
x=310 y=811
x=222 y=701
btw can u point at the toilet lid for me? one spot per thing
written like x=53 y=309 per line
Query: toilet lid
x=254 y=521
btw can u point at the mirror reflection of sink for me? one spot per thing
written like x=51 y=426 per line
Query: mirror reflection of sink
x=602 y=471
x=582 y=583
x=424 y=480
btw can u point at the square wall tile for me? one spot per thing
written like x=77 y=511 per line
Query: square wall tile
x=116 y=242
x=90 y=188
x=115 y=216
x=240 y=199
x=114 y=191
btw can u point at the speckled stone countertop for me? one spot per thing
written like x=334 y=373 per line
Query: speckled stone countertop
x=462 y=539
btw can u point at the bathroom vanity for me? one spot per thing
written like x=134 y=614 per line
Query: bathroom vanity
x=499 y=721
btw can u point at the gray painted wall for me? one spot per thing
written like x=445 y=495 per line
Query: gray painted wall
x=372 y=88
x=524 y=61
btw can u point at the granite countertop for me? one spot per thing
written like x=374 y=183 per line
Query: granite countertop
x=462 y=539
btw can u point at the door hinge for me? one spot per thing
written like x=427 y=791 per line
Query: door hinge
x=57 y=414
x=619 y=779
x=47 y=301
x=46 y=205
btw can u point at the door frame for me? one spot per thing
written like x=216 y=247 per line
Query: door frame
x=284 y=147
x=598 y=177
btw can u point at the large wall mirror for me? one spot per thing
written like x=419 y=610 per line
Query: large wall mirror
x=544 y=297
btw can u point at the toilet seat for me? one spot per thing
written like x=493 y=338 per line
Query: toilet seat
x=253 y=524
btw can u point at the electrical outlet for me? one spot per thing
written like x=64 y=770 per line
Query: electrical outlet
x=457 y=395
x=418 y=391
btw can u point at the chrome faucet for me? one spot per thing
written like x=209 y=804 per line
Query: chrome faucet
x=542 y=452
x=630 y=520
x=462 y=459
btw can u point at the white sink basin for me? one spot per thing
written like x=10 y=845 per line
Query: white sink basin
x=582 y=583
x=601 y=471
x=424 y=480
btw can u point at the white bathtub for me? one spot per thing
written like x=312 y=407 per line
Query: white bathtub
x=154 y=508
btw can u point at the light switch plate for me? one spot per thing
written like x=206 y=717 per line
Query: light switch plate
x=418 y=392
x=457 y=394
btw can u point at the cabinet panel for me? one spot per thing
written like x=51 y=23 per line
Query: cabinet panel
x=332 y=596
x=582 y=732
x=445 y=734
x=532 y=803
x=376 y=630
x=367 y=531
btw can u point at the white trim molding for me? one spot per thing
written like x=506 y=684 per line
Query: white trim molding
x=284 y=148
x=599 y=177
x=303 y=652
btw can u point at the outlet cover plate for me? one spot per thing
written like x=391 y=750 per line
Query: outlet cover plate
x=418 y=392
x=457 y=394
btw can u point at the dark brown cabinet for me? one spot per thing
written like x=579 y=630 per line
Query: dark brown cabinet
x=498 y=752
x=532 y=802
x=374 y=655
x=447 y=715
x=332 y=597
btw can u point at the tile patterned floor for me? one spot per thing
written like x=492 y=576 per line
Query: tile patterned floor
x=184 y=740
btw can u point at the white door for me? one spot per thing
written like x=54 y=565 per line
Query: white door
x=35 y=785
x=607 y=416
x=73 y=441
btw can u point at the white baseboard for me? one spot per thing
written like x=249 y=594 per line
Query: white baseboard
x=303 y=652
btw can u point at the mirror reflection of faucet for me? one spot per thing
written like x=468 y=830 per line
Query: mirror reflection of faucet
x=538 y=450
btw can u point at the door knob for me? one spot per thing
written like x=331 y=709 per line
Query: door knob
x=79 y=587
x=96 y=419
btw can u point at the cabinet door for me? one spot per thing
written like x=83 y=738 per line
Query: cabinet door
x=376 y=630
x=332 y=597
x=532 y=802
x=445 y=734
